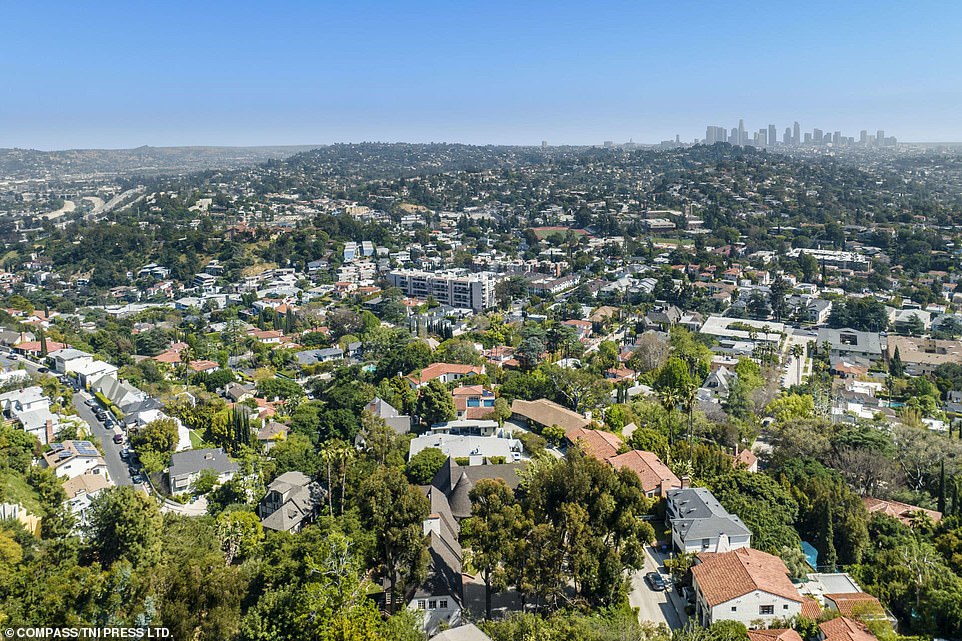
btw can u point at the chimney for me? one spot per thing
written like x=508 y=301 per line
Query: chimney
x=685 y=482
x=49 y=430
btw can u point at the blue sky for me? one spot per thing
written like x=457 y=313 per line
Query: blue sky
x=123 y=74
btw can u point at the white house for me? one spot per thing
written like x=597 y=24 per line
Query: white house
x=744 y=585
x=71 y=459
x=81 y=490
x=699 y=523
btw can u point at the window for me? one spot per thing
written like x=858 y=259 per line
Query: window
x=734 y=608
x=766 y=609
x=443 y=604
x=432 y=604
x=705 y=543
x=785 y=607
x=421 y=604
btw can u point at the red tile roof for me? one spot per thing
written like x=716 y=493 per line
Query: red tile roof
x=844 y=629
x=436 y=370
x=649 y=468
x=811 y=609
x=852 y=603
x=597 y=443
x=901 y=511
x=724 y=576
x=774 y=634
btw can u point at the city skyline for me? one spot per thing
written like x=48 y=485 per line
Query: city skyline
x=795 y=136
x=111 y=74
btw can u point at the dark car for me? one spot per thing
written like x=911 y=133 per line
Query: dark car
x=124 y=454
x=118 y=438
x=655 y=582
x=138 y=479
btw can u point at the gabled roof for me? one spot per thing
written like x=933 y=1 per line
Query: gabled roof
x=546 y=413
x=649 y=468
x=845 y=629
x=597 y=443
x=852 y=603
x=774 y=634
x=724 y=576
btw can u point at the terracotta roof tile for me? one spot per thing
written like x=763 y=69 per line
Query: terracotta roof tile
x=724 y=576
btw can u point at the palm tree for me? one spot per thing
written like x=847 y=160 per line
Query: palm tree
x=798 y=351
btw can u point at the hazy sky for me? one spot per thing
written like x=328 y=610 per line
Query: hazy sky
x=121 y=74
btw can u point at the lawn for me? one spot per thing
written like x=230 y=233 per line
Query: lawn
x=196 y=441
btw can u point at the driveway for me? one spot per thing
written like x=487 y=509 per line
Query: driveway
x=656 y=607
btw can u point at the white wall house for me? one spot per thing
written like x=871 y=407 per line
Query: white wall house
x=745 y=585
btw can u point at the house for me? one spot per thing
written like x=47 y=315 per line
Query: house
x=185 y=467
x=744 y=585
x=118 y=392
x=656 y=479
x=860 y=604
x=468 y=632
x=719 y=382
x=30 y=409
x=71 y=459
x=544 y=413
x=271 y=433
x=816 y=311
x=473 y=401
x=62 y=359
x=699 y=523
x=444 y=372
x=774 y=634
x=238 y=393
x=903 y=319
x=456 y=482
x=291 y=502
x=901 y=511
x=582 y=327
x=596 y=443
x=80 y=491
x=850 y=343
x=746 y=460
x=440 y=596
x=477 y=449
x=400 y=423
x=922 y=356
x=845 y=629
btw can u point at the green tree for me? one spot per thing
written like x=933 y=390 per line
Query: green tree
x=490 y=531
x=422 y=467
x=240 y=532
x=436 y=405
x=395 y=511
x=123 y=523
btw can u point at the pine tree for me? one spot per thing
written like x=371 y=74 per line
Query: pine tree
x=941 y=507
x=43 y=344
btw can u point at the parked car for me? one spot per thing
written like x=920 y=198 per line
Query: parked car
x=90 y=402
x=138 y=479
x=118 y=438
x=124 y=454
x=43 y=370
x=655 y=582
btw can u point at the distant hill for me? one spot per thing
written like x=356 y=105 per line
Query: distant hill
x=144 y=161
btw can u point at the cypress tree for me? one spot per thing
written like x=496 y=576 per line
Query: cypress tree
x=942 y=488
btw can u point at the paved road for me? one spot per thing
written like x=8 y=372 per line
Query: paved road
x=652 y=606
x=116 y=467
x=794 y=373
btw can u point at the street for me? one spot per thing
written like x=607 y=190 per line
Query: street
x=116 y=467
x=657 y=607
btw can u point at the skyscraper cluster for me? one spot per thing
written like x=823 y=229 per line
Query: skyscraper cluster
x=793 y=137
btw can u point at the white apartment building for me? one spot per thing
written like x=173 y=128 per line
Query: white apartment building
x=458 y=288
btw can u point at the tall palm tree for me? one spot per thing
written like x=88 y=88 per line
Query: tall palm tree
x=798 y=352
